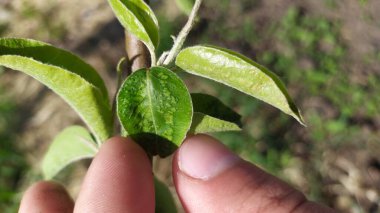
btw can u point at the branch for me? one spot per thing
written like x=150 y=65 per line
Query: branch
x=137 y=54
x=178 y=43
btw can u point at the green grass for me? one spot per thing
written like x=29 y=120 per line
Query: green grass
x=326 y=76
x=12 y=162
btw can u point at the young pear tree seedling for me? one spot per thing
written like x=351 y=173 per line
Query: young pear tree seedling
x=153 y=105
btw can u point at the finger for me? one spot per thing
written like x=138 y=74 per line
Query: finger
x=46 y=197
x=210 y=178
x=119 y=180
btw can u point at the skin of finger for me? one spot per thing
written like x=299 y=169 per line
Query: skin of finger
x=241 y=188
x=46 y=196
x=119 y=180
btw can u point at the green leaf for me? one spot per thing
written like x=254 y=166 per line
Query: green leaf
x=185 y=5
x=164 y=198
x=154 y=107
x=72 y=144
x=67 y=75
x=137 y=17
x=211 y=115
x=203 y=123
x=212 y=106
x=239 y=72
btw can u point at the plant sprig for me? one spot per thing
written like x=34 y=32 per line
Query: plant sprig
x=181 y=38
x=154 y=106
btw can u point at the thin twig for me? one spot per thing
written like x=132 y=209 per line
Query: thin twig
x=183 y=34
x=162 y=57
x=137 y=53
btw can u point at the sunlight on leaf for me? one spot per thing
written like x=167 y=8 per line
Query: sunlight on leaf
x=67 y=75
x=239 y=72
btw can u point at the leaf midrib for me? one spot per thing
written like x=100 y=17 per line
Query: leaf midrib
x=126 y=9
x=148 y=85
x=87 y=142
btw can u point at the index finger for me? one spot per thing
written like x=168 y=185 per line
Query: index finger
x=119 y=179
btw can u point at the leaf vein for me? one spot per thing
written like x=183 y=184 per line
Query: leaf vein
x=148 y=88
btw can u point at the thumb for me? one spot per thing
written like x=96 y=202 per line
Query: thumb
x=210 y=178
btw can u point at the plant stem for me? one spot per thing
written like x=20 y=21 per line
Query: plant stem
x=178 y=43
x=119 y=71
x=137 y=54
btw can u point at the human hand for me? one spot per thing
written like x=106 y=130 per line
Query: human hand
x=207 y=176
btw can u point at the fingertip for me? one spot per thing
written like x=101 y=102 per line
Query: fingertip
x=120 y=146
x=119 y=180
x=46 y=196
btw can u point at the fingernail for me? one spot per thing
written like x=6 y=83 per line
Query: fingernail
x=202 y=157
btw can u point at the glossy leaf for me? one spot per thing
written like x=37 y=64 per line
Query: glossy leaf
x=211 y=115
x=67 y=75
x=137 y=17
x=239 y=72
x=154 y=107
x=185 y=5
x=72 y=144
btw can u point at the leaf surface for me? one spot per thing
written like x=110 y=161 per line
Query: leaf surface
x=67 y=75
x=203 y=123
x=139 y=19
x=72 y=144
x=154 y=107
x=211 y=115
x=239 y=72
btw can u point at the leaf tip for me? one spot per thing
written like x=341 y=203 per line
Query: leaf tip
x=299 y=118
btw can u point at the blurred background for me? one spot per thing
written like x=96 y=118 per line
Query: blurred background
x=327 y=52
